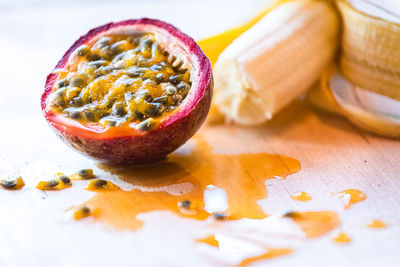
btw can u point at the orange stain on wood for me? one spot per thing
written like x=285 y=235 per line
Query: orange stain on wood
x=315 y=223
x=271 y=253
x=301 y=196
x=209 y=240
x=351 y=196
x=341 y=238
x=188 y=176
x=376 y=224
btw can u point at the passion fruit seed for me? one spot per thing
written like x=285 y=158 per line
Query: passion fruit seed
x=48 y=185
x=99 y=183
x=220 y=216
x=123 y=78
x=86 y=173
x=81 y=212
x=12 y=184
x=83 y=51
x=65 y=179
x=146 y=125
x=186 y=204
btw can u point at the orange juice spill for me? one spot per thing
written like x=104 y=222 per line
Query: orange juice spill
x=301 y=196
x=351 y=196
x=376 y=224
x=272 y=253
x=315 y=223
x=191 y=176
x=341 y=238
x=210 y=240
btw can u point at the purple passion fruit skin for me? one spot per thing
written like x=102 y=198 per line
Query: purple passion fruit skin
x=137 y=139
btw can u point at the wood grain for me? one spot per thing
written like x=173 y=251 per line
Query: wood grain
x=35 y=229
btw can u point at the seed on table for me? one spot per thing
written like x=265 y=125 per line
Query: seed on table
x=82 y=212
x=12 y=184
x=99 y=183
x=86 y=173
x=48 y=185
x=186 y=204
x=220 y=216
x=65 y=179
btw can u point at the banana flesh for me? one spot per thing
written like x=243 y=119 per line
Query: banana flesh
x=276 y=60
x=370 y=51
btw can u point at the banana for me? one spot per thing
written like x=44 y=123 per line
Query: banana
x=276 y=60
x=370 y=111
x=370 y=51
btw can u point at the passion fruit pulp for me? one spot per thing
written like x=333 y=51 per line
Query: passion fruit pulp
x=129 y=92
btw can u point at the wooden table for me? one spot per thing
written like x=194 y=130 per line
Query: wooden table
x=37 y=230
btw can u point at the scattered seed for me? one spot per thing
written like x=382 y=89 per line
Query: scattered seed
x=220 y=216
x=48 y=185
x=99 y=183
x=65 y=179
x=186 y=204
x=12 y=184
x=86 y=173
x=82 y=212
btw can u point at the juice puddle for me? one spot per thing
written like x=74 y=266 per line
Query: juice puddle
x=271 y=253
x=351 y=196
x=341 y=238
x=376 y=224
x=315 y=223
x=209 y=182
x=209 y=240
x=301 y=196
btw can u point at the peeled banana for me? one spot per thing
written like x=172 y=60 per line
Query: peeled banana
x=370 y=111
x=370 y=51
x=275 y=61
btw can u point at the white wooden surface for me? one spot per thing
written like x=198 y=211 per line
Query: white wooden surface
x=35 y=229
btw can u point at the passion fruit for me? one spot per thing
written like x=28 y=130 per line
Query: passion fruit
x=129 y=92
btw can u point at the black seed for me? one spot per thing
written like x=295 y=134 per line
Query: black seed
x=290 y=214
x=93 y=57
x=154 y=109
x=118 y=47
x=147 y=43
x=99 y=183
x=62 y=83
x=186 y=204
x=161 y=78
x=9 y=184
x=51 y=183
x=77 y=101
x=118 y=109
x=77 y=82
x=146 y=125
x=170 y=90
x=182 y=86
x=85 y=210
x=86 y=173
x=112 y=123
x=83 y=50
x=75 y=114
x=175 y=79
x=220 y=216
x=102 y=42
x=89 y=115
x=65 y=179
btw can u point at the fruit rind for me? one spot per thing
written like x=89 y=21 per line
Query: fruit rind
x=133 y=146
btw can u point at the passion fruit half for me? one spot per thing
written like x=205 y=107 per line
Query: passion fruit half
x=129 y=92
